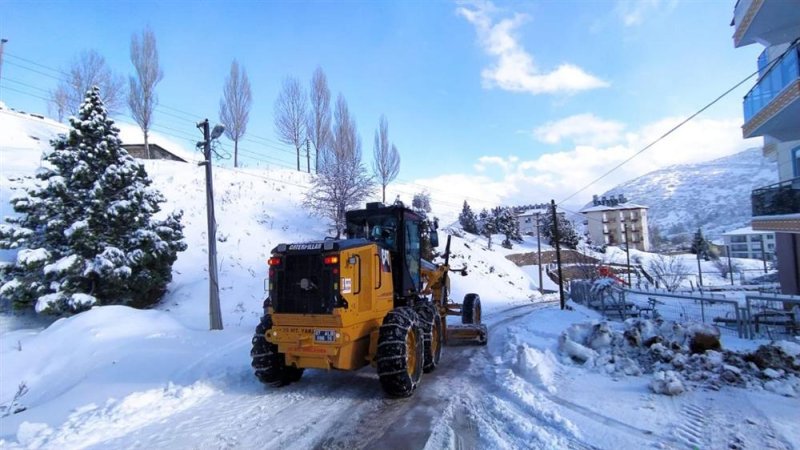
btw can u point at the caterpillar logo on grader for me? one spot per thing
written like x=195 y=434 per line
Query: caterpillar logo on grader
x=367 y=299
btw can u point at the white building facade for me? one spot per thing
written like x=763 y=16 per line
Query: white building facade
x=772 y=111
x=747 y=243
x=615 y=222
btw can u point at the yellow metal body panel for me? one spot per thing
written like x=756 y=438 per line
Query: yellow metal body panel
x=365 y=283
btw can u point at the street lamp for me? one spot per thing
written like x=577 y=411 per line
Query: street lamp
x=215 y=313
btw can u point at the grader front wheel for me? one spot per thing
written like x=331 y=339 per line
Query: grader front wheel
x=432 y=333
x=471 y=309
x=400 y=354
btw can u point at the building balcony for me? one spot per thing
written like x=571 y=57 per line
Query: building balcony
x=765 y=22
x=777 y=207
x=773 y=105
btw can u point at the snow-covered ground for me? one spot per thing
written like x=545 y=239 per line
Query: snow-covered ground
x=116 y=377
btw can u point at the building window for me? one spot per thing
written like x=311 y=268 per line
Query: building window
x=796 y=161
x=738 y=238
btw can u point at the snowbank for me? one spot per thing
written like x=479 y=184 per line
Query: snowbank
x=677 y=355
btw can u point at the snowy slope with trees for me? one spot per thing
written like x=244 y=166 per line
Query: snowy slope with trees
x=117 y=377
x=713 y=195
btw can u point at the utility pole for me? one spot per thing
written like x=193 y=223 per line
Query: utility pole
x=2 y=46
x=557 y=238
x=730 y=264
x=215 y=314
x=699 y=269
x=539 y=250
x=627 y=252
x=763 y=253
x=308 y=155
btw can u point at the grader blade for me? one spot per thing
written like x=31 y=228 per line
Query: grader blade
x=466 y=334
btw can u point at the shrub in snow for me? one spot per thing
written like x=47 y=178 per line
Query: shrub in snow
x=85 y=229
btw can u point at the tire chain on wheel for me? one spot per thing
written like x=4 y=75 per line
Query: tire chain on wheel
x=391 y=356
x=270 y=366
x=427 y=316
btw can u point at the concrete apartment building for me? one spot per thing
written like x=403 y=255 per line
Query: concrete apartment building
x=772 y=111
x=747 y=243
x=608 y=219
x=527 y=217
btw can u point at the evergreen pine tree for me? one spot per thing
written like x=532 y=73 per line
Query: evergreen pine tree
x=487 y=225
x=700 y=245
x=85 y=229
x=468 y=220
x=568 y=237
x=421 y=204
x=507 y=224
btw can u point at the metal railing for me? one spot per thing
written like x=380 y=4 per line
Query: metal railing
x=760 y=317
x=772 y=317
x=783 y=72
x=778 y=198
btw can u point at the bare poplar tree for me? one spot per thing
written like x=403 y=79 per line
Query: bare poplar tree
x=290 y=115
x=87 y=69
x=386 y=159
x=234 y=107
x=342 y=182
x=142 y=97
x=319 y=114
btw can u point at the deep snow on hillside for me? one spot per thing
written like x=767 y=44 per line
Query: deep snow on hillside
x=116 y=377
x=713 y=195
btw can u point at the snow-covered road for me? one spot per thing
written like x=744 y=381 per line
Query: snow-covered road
x=325 y=409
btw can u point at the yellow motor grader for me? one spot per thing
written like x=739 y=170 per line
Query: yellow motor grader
x=367 y=299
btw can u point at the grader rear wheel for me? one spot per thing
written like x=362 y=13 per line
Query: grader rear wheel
x=432 y=333
x=400 y=354
x=270 y=366
x=471 y=309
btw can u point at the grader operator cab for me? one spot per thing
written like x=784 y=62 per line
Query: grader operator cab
x=367 y=299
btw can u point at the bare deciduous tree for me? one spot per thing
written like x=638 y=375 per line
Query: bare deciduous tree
x=142 y=97
x=87 y=69
x=671 y=271
x=386 y=162
x=342 y=182
x=234 y=107
x=319 y=114
x=290 y=115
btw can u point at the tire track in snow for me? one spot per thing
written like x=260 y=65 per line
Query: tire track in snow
x=703 y=425
x=408 y=423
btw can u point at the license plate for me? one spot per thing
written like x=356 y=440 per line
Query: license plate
x=324 y=335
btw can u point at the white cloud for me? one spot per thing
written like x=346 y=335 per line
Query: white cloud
x=634 y=12
x=583 y=129
x=514 y=69
x=560 y=174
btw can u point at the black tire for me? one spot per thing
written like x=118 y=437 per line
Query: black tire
x=270 y=366
x=432 y=334
x=400 y=354
x=471 y=309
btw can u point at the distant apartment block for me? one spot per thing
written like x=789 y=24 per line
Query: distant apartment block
x=529 y=215
x=772 y=110
x=747 y=243
x=616 y=221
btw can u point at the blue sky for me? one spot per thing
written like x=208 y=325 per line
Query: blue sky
x=504 y=102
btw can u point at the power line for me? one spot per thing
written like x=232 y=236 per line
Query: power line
x=676 y=127
x=251 y=138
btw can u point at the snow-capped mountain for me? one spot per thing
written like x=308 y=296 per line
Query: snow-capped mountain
x=713 y=195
